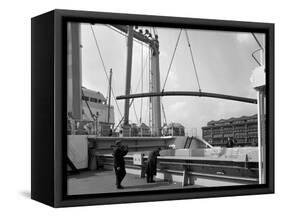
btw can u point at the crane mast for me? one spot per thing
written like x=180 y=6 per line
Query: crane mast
x=154 y=75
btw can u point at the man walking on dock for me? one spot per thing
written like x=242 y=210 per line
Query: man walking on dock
x=119 y=163
x=151 y=167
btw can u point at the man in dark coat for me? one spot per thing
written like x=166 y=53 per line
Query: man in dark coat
x=151 y=167
x=230 y=143
x=119 y=163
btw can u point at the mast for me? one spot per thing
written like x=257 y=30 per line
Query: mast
x=155 y=87
x=154 y=74
x=128 y=73
x=109 y=96
x=74 y=70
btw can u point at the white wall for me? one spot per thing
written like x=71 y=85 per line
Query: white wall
x=15 y=106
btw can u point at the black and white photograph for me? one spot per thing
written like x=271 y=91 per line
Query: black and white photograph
x=152 y=108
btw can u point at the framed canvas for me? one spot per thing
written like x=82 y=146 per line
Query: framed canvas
x=135 y=108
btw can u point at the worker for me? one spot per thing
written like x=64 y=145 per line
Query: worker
x=88 y=127
x=230 y=143
x=119 y=163
x=151 y=167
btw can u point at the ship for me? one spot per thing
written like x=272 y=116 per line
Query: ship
x=184 y=158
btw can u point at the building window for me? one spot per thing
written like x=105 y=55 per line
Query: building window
x=85 y=98
x=93 y=100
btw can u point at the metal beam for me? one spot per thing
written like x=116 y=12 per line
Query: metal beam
x=189 y=93
x=139 y=36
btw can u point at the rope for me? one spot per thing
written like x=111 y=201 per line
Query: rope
x=104 y=68
x=193 y=62
x=172 y=60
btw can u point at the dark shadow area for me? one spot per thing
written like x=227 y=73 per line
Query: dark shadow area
x=25 y=194
x=148 y=185
x=88 y=173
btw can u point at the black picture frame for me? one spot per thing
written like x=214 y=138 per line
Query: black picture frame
x=48 y=70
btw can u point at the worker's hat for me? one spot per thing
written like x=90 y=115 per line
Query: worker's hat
x=118 y=142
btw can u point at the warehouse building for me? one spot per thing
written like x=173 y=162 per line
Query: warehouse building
x=243 y=131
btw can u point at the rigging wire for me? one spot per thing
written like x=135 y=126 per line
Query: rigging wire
x=122 y=117
x=254 y=57
x=94 y=117
x=141 y=82
x=137 y=119
x=132 y=102
x=257 y=40
x=149 y=99
x=168 y=72
x=260 y=49
x=104 y=68
x=192 y=58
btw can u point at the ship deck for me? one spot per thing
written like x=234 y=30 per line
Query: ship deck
x=94 y=182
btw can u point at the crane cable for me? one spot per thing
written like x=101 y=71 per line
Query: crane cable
x=141 y=82
x=104 y=68
x=172 y=60
x=192 y=58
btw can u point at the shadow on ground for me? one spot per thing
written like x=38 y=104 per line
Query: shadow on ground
x=147 y=186
x=25 y=194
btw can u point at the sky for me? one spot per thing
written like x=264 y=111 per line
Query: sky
x=223 y=61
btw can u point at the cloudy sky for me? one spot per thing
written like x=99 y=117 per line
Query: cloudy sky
x=223 y=60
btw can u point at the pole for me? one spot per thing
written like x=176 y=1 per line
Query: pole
x=155 y=87
x=128 y=73
x=76 y=70
x=261 y=122
x=109 y=95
